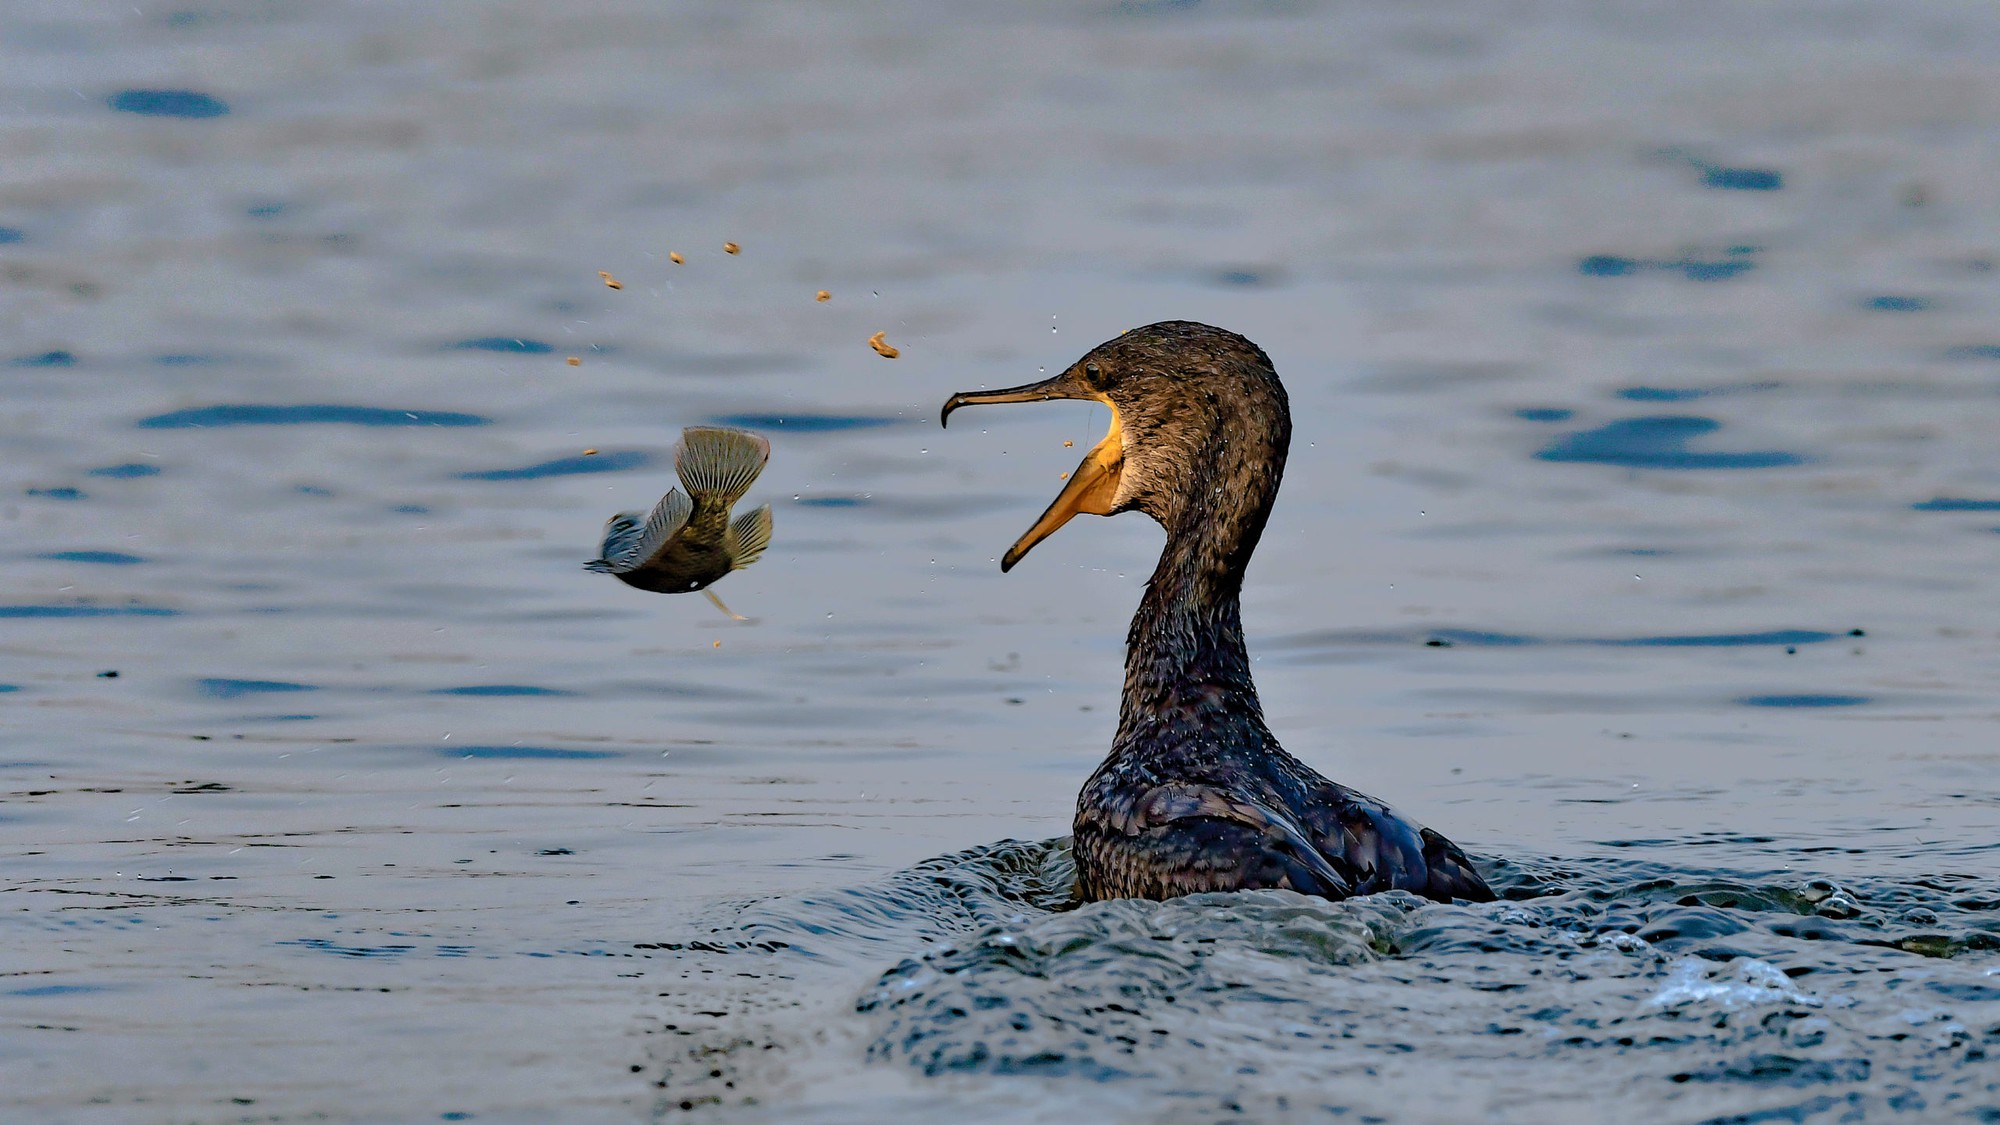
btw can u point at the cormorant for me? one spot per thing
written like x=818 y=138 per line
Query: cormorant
x=1196 y=794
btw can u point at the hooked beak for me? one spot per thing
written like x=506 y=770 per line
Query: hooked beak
x=1092 y=488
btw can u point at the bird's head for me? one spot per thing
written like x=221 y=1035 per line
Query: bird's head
x=1199 y=428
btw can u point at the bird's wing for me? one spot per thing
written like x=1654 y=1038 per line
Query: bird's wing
x=1201 y=838
x=1388 y=851
x=748 y=535
x=629 y=544
x=1452 y=874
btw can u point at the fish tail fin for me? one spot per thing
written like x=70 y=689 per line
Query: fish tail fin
x=749 y=534
x=717 y=465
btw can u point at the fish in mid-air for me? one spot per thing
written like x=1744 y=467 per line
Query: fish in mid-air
x=689 y=540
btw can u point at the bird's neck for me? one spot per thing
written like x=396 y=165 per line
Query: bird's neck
x=1186 y=668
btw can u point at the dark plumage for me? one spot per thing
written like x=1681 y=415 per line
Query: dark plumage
x=1196 y=794
x=689 y=540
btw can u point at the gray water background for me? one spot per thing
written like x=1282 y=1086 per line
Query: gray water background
x=1639 y=353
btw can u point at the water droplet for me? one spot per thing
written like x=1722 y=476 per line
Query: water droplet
x=923 y=451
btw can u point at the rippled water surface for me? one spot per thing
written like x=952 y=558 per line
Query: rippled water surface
x=1639 y=533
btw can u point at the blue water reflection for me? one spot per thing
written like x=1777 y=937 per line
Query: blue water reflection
x=1956 y=504
x=526 y=753
x=1658 y=442
x=515 y=344
x=46 y=359
x=87 y=611
x=502 y=690
x=107 y=558
x=807 y=422
x=1742 y=179
x=236 y=689
x=566 y=467
x=252 y=414
x=1803 y=700
x=169 y=103
x=1736 y=262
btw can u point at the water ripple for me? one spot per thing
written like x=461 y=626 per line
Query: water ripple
x=252 y=414
x=615 y=462
x=1267 y=1002
x=1657 y=443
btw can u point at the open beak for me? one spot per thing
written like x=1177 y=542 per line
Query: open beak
x=1092 y=487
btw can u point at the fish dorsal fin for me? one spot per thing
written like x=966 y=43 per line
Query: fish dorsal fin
x=629 y=544
x=717 y=465
x=749 y=534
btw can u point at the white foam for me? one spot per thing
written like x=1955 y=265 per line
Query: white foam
x=1741 y=983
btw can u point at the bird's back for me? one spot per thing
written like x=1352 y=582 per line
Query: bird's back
x=1263 y=820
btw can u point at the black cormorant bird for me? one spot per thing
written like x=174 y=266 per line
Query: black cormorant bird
x=1196 y=794
x=689 y=540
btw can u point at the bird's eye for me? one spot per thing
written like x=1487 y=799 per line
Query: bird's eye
x=1096 y=378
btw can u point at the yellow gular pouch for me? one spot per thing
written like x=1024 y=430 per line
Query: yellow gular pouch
x=1093 y=487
